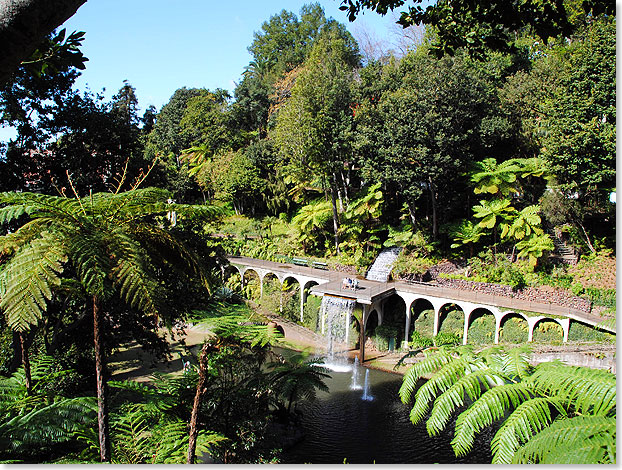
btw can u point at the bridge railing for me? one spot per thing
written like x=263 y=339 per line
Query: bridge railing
x=548 y=308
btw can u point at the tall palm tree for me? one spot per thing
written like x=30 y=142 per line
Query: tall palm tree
x=552 y=413
x=107 y=238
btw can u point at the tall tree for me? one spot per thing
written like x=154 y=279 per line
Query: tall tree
x=422 y=131
x=313 y=129
x=482 y=26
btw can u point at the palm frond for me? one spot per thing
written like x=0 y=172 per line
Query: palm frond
x=27 y=279
x=581 y=439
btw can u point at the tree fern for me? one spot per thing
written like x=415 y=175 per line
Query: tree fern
x=470 y=386
x=436 y=386
x=590 y=391
x=428 y=365
x=526 y=420
x=584 y=439
x=527 y=405
x=27 y=279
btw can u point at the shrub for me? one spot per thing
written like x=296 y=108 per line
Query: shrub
x=383 y=334
x=420 y=341
x=447 y=339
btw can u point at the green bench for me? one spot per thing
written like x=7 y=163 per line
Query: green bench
x=300 y=262
x=319 y=265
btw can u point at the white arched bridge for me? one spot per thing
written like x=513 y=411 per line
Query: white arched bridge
x=372 y=295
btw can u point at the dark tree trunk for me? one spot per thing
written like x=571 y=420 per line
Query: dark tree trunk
x=333 y=198
x=194 y=430
x=25 y=362
x=411 y=213
x=100 y=371
x=24 y=24
x=432 y=188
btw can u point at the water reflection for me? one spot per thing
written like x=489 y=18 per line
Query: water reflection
x=340 y=425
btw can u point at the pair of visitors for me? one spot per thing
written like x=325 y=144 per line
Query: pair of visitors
x=349 y=283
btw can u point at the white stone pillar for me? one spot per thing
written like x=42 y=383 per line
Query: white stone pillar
x=466 y=327
x=302 y=300
x=407 y=328
x=565 y=324
x=437 y=313
x=497 y=328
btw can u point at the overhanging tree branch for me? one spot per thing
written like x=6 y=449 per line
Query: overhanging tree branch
x=24 y=24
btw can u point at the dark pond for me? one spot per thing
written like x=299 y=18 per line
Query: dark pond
x=342 y=425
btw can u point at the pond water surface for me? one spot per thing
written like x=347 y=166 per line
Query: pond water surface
x=341 y=425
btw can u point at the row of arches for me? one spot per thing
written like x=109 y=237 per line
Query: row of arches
x=473 y=323
x=261 y=276
x=426 y=314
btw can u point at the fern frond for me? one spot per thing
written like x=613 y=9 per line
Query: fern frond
x=515 y=362
x=587 y=390
x=232 y=322
x=428 y=365
x=130 y=275
x=90 y=261
x=27 y=279
x=471 y=385
x=588 y=439
x=441 y=381
x=172 y=250
x=490 y=407
x=526 y=420
x=131 y=437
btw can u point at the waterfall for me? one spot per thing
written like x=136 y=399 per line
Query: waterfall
x=382 y=265
x=354 y=385
x=335 y=313
x=366 y=395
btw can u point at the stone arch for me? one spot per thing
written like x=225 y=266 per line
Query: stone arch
x=547 y=329
x=305 y=288
x=422 y=312
x=480 y=326
x=251 y=276
x=451 y=319
x=229 y=270
x=393 y=312
x=372 y=321
x=513 y=328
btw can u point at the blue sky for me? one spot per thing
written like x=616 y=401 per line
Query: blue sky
x=162 y=45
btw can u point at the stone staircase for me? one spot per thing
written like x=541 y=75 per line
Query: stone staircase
x=563 y=252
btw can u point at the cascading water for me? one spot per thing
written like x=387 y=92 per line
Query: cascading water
x=354 y=385
x=335 y=313
x=366 y=395
x=381 y=268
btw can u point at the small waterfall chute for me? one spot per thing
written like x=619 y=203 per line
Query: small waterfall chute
x=383 y=264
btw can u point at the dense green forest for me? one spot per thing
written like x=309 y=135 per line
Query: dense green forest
x=497 y=155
